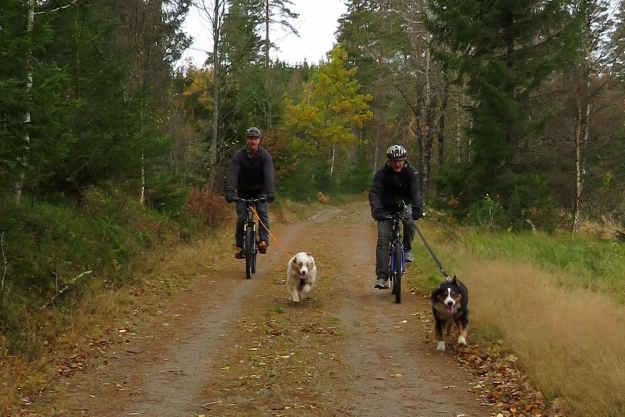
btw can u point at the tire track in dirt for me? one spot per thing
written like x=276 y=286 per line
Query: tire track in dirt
x=164 y=361
x=172 y=388
x=396 y=371
x=236 y=347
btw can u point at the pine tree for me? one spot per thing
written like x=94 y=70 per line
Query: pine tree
x=617 y=42
x=12 y=95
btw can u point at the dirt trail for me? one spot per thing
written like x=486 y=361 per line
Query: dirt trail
x=395 y=366
x=232 y=347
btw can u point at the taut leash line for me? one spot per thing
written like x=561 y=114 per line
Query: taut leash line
x=438 y=262
x=265 y=226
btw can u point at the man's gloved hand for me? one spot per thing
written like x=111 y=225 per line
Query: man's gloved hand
x=229 y=197
x=380 y=214
x=417 y=213
x=270 y=198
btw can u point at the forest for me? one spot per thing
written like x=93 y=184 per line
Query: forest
x=513 y=114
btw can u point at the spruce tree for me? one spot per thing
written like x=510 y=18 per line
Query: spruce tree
x=504 y=49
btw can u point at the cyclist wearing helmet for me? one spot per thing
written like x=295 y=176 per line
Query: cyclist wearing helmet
x=250 y=175
x=395 y=182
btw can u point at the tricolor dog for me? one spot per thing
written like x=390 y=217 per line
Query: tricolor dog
x=301 y=275
x=450 y=303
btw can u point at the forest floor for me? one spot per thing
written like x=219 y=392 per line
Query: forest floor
x=227 y=346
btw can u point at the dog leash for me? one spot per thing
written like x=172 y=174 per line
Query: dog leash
x=264 y=225
x=438 y=262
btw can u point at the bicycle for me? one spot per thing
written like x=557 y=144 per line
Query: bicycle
x=250 y=245
x=397 y=255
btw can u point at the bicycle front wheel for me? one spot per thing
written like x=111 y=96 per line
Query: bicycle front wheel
x=250 y=253
x=397 y=273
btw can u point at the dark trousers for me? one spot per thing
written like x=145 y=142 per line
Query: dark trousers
x=263 y=212
x=385 y=235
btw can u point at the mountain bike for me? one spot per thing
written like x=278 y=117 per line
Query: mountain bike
x=397 y=256
x=250 y=245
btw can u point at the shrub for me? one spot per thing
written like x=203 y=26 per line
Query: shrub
x=488 y=213
x=209 y=206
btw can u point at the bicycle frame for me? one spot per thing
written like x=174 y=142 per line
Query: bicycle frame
x=397 y=242
x=397 y=258
x=250 y=244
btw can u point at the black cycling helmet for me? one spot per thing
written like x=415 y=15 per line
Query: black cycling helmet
x=396 y=152
x=253 y=132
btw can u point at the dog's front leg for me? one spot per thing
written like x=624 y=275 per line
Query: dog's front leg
x=295 y=295
x=305 y=290
x=438 y=333
x=462 y=337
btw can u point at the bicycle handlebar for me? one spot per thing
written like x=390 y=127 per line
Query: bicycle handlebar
x=250 y=200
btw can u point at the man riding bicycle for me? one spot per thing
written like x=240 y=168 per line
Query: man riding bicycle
x=397 y=181
x=250 y=175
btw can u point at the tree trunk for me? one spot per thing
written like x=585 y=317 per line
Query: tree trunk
x=578 y=165
x=429 y=122
x=332 y=160
x=212 y=153
x=458 y=137
x=19 y=186
x=142 y=195
x=441 y=121
x=267 y=42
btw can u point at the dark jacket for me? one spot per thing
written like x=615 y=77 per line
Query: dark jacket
x=389 y=187
x=250 y=176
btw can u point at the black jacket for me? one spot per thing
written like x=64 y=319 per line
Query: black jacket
x=389 y=187
x=250 y=176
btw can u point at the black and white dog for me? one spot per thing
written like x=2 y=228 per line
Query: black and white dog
x=450 y=303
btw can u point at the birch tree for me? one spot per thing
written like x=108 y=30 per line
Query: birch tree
x=31 y=12
x=214 y=12
x=593 y=53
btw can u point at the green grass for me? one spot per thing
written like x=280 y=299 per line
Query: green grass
x=47 y=245
x=586 y=262
x=583 y=261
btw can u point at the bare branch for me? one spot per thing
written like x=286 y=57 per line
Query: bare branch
x=65 y=288
x=58 y=9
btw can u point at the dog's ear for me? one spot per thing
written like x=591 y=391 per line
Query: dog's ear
x=309 y=254
x=454 y=280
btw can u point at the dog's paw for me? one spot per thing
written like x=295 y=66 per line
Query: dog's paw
x=440 y=346
x=462 y=340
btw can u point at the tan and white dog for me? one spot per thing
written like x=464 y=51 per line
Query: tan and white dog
x=301 y=275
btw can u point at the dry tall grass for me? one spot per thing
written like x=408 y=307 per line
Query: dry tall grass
x=571 y=342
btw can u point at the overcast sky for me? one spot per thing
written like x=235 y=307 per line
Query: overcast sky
x=317 y=23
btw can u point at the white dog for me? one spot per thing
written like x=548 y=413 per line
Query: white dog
x=301 y=275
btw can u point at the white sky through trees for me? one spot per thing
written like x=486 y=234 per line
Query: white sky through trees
x=316 y=24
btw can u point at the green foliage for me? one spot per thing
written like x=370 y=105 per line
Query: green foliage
x=92 y=115
x=48 y=245
x=599 y=265
x=168 y=196
x=12 y=92
x=358 y=175
x=495 y=50
x=331 y=106
x=297 y=168
x=322 y=125
x=617 y=42
x=487 y=213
